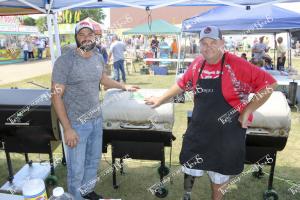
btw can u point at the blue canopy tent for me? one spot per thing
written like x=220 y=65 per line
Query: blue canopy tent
x=52 y=7
x=263 y=19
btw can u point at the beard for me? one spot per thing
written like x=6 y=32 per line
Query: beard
x=87 y=45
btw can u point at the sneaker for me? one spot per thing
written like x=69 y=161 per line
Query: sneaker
x=186 y=196
x=92 y=196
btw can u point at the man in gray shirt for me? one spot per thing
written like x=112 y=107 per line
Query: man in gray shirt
x=75 y=86
x=117 y=49
x=259 y=49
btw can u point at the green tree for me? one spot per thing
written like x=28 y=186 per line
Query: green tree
x=41 y=23
x=29 y=21
x=74 y=16
x=96 y=14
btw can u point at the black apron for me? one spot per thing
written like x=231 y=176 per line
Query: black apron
x=221 y=146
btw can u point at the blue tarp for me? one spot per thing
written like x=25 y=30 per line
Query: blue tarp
x=266 y=19
x=58 y=4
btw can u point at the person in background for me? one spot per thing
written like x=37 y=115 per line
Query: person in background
x=117 y=49
x=25 y=50
x=164 y=49
x=245 y=44
x=222 y=83
x=281 y=52
x=255 y=41
x=142 y=42
x=41 y=47
x=297 y=48
x=268 y=63
x=174 y=49
x=244 y=55
x=102 y=50
x=154 y=46
x=30 y=49
x=75 y=87
x=137 y=41
x=193 y=46
x=231 y=44
x=259 y=49
x=266 y=41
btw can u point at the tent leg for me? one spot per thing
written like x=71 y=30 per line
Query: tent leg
x=290 y=50
x=49 y=23
x=179 y=54
x=275 y=47
x=56 y=32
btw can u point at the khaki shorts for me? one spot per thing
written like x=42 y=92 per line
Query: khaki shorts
x=215 y=177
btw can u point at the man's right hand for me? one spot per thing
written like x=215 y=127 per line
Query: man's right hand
x=153 y=101
x=71 y=137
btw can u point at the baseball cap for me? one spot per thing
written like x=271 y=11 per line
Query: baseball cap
x=212 y=32
x=83 y=24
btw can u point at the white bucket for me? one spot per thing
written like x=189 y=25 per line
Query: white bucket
x=34 y=189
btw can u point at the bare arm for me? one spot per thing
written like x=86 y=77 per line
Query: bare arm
x=157 y=101
x=258 y=100
x=109 y=83
x=71 y=138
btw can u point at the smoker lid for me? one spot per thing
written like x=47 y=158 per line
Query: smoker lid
x=21 y=97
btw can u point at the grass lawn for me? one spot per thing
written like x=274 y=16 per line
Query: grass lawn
x=140 y=175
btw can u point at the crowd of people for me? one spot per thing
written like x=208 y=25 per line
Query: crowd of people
x=30 y=44
x=261 y=58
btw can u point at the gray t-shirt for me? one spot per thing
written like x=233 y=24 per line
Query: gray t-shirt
x=261 y=47
x=81 y=77
x=117 y=49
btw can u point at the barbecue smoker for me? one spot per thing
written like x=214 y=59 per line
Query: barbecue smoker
x=135 y=130
x=267 y=134
x=28 y=125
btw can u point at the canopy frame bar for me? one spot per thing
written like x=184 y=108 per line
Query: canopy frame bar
x=33 y=6
x=125 y=4
x=268 y=3
x=75 y=5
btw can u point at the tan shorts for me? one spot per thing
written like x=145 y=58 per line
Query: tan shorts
x=215 y=177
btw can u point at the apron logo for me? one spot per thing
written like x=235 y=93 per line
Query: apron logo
x=200 y=90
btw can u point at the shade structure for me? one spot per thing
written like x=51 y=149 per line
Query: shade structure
x=157 y=27
x=264 y=19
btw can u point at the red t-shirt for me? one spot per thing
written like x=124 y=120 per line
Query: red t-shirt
x=239 y=79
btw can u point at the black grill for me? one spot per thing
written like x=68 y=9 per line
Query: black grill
x=27 y=124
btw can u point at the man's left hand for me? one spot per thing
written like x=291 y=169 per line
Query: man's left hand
x=243 y=119
x=131 y=88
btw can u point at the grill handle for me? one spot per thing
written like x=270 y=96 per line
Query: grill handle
x=128 y=126
x=17 y=124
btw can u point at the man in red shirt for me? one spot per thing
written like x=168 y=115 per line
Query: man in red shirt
x=221 y=83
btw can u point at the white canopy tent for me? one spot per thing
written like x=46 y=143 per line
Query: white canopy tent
x=52 y=7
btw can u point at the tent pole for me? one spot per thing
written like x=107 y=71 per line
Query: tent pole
x=275 y=47
x=32 y=6
x=56 y=32
x=179 y=37
x=290 y=49
x=49 y=23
